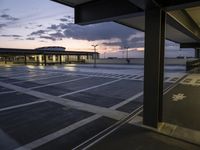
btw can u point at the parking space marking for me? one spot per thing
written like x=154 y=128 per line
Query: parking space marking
x=114 y=114
x=22 y=105
x=68 y=129
x=25 y=76
x=11 y=75
x=50 y=84
x=127 y=100
x=100 y=111
x=89 y=88
x=58 y=133
x=88 y=143
x=44 y=78
x=6 y=92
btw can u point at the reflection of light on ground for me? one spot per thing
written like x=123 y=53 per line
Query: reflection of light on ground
x=72 y=68
x=31 y=67
x=41 y=67
x=7 y=65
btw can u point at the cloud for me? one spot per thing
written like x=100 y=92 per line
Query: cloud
x=39 y=32
x=67 y=19
x=57 y=35
x=104 y=33
x=48 y=38
x=63 y=19
x=53 y=27
x=30 y=38
x=8 y=17
x=2 y=25
x=13 y=35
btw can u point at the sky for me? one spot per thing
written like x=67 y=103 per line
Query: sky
x=36 y=23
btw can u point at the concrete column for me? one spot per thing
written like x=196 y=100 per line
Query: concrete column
x=40 y=58
x=54 y=58
x=5 y=58
x=67 y=58
x=45 y=59
x=60 y=58
x=37 y=59
x=197 y=53
x=78 y=58
x=25 y=59
x=153 y=65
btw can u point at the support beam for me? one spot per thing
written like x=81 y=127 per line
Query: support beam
x=197 y=53
x=104 y=10
x=60 y=59
x=5 y=59
x=45 y=59
x=78 y=58
x=154 y=65
x=190 y=45
x=178 y=4
x=38 y=60
x=180 y=20
x=25 y=60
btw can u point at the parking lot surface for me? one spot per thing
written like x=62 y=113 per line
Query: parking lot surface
x=61 y=107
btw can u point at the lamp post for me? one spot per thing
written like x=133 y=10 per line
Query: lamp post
x=94 y=54
x=126 y=48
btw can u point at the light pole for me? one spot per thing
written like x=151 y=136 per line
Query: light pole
x=126 y=48
x=95 y=55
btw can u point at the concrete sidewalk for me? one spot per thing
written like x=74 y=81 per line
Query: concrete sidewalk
x=130 y=137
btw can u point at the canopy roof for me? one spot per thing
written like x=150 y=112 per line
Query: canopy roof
x=183 y=16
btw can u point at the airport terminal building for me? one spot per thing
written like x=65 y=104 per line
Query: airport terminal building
x=45 y=55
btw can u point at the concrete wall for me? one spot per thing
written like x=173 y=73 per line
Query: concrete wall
x=168 y=61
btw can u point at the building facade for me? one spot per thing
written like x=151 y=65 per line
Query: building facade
x=45 y=56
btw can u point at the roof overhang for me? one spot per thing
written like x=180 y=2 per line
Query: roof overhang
x=183 y=16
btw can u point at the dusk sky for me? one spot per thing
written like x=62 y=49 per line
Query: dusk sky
x=36 y=23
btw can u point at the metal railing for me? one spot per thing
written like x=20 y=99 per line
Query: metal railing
x=193 y=64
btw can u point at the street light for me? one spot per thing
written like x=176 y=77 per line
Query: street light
x=95 y=55
x=126 y=48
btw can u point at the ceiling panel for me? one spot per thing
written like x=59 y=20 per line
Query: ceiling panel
x=171 y=33
x=194 y=13
x=73 y=2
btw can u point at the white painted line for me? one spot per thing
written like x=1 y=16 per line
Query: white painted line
x=114 y=114
x=12 y=75
x=23 y=77
x=66 y=102
x=22 y=105
x=127 y=100
x=136 y=120
x=108 y=133
x=93 y=87
x=68 y=129
x=44 y=78
x=6 y=92
x=58 y=134
x=59 y=83
x=174 y=85
x=117 y=124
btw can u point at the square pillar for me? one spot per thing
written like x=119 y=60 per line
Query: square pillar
x=25 y=60
x=5 y=59
x=60 y=59
x=78 y=58
x=154 y=65
x=54 y=58
x=197 y=53
x=45 y=60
